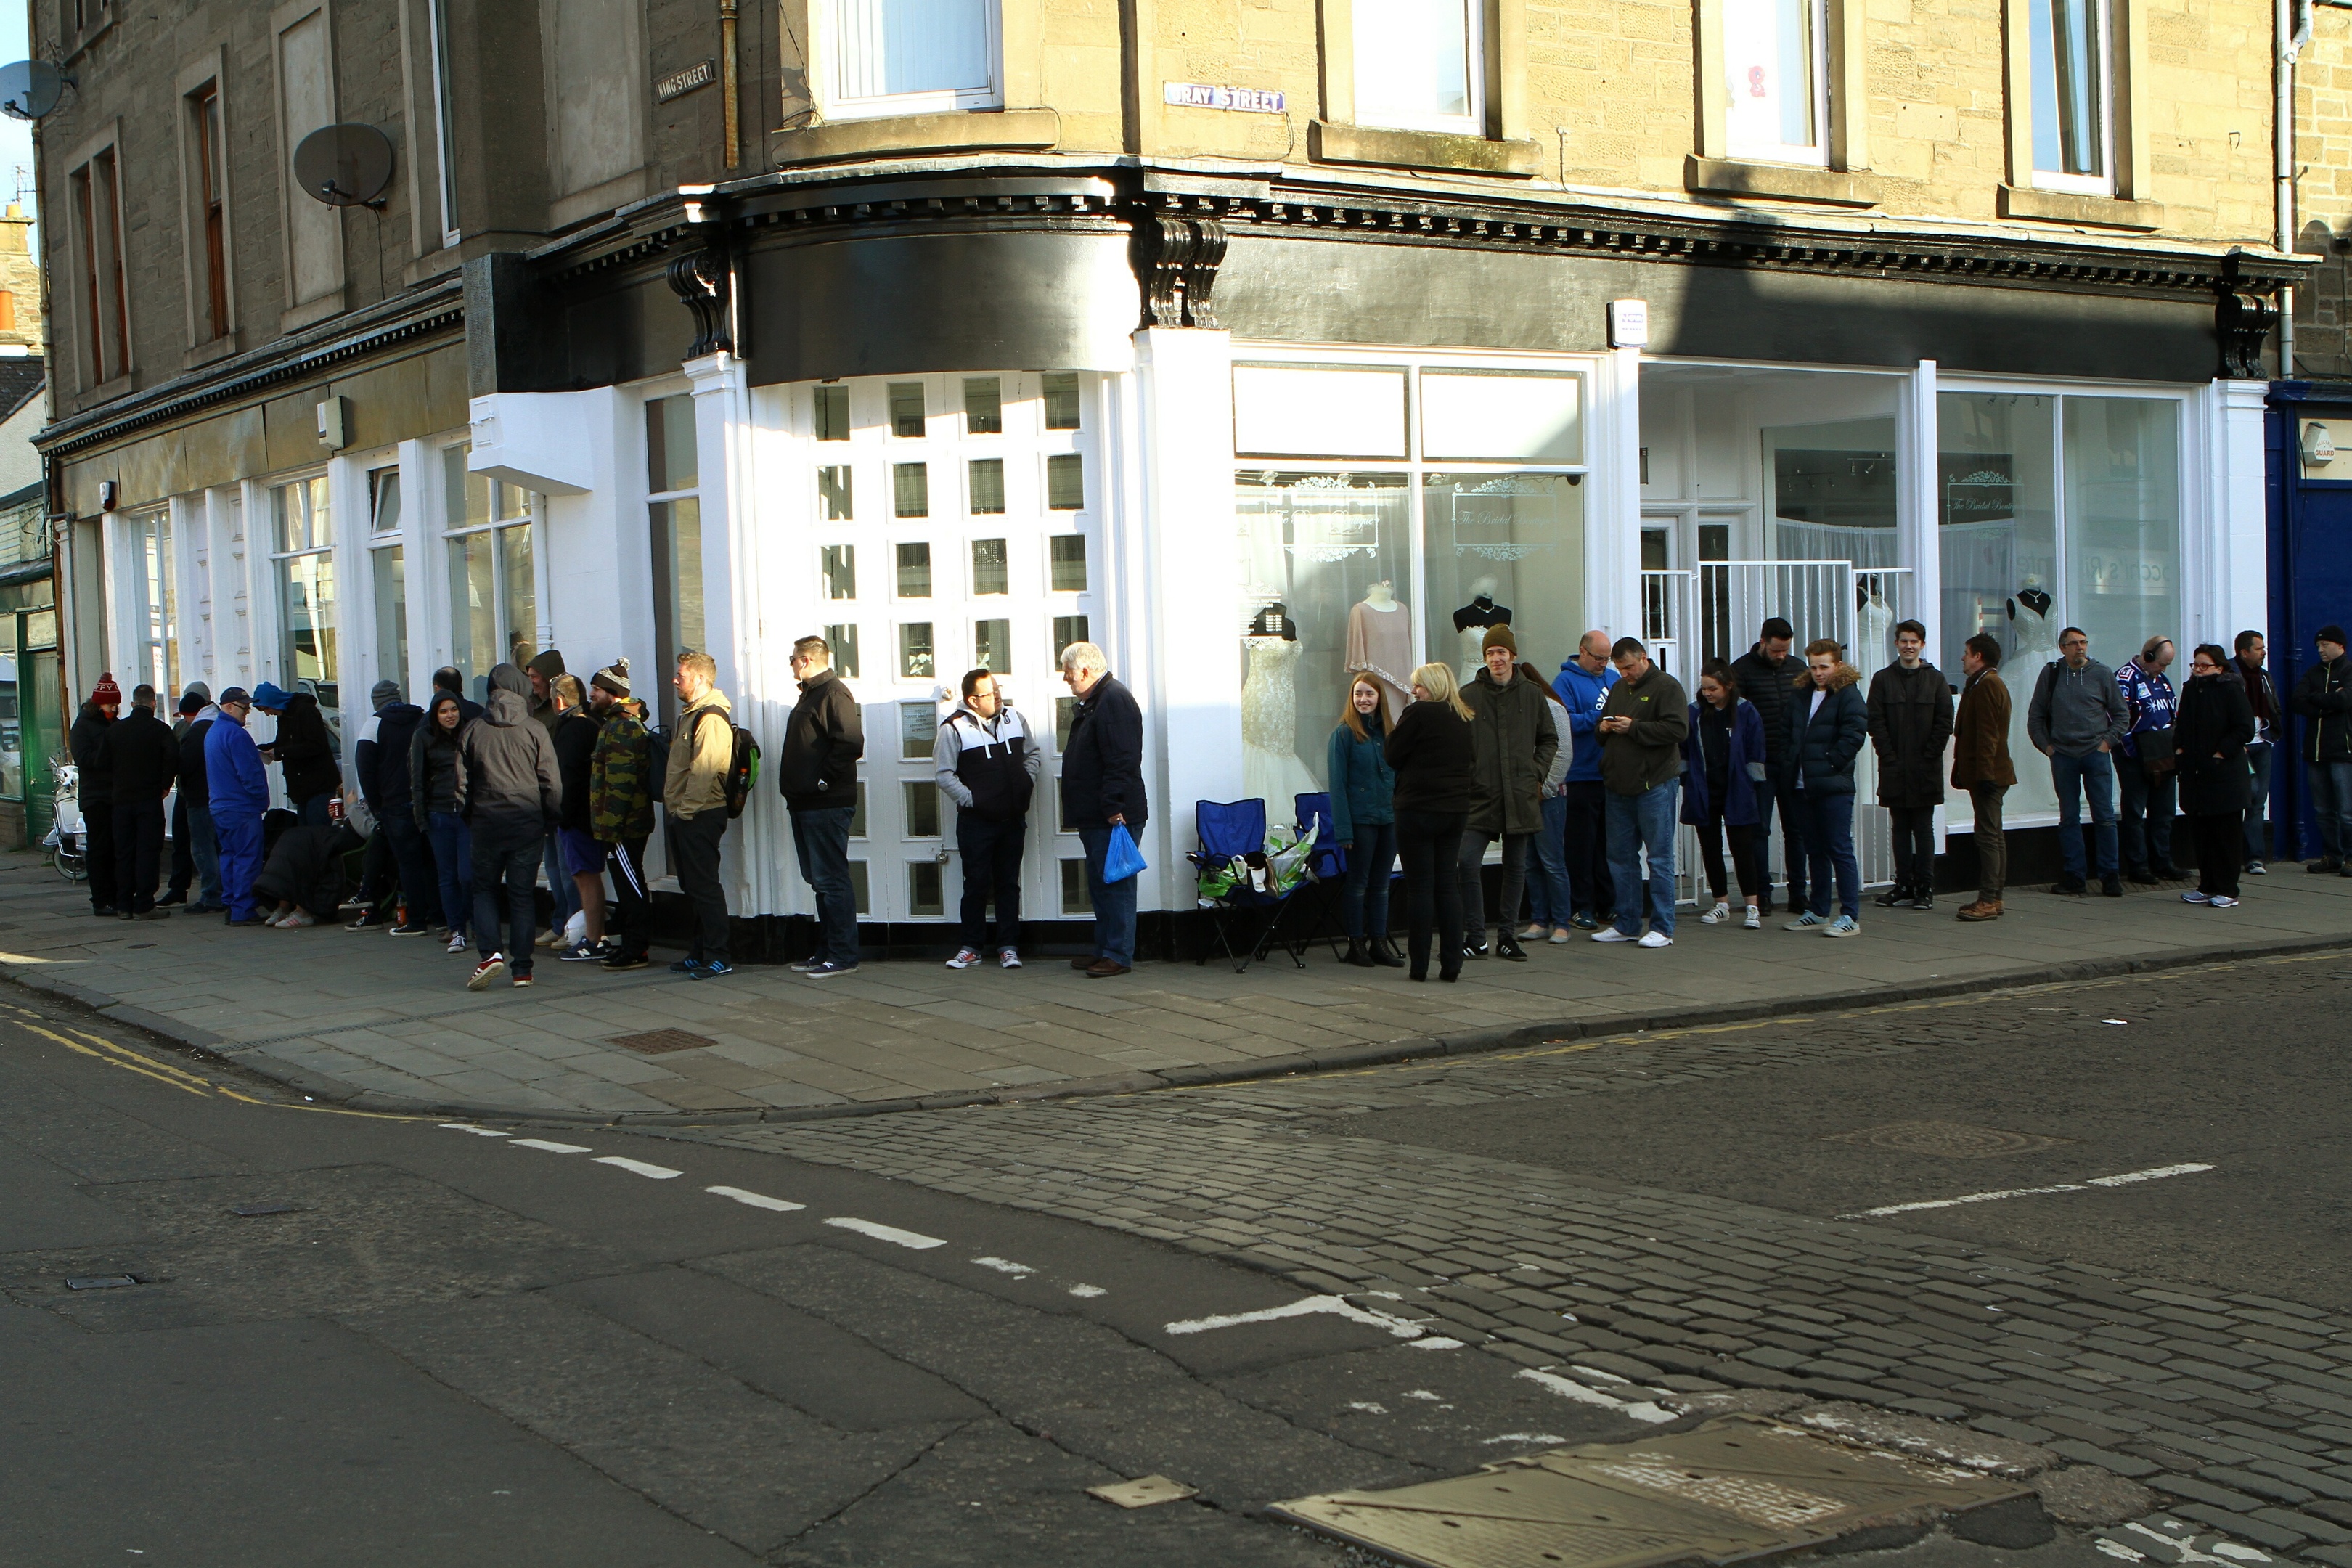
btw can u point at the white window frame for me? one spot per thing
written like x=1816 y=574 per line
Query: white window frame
x=837 y=102
x=531 y=514
x=2103 y=181
x=278 y=557
x=1814 y=155
x=148 y=649
x=1474 y=46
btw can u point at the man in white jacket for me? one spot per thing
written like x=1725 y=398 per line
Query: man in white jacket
x=988 y=766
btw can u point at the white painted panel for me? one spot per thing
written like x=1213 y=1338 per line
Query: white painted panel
x=1282 y=412
x=592 y=94
x=1501 y=418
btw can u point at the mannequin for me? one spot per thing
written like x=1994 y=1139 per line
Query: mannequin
x=1380 y=639
x=1874 y=628
x=1271 y=770
x=2031 y=639
x=1471 y=621
x=1274 y=621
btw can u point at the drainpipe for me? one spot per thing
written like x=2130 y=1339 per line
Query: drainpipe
x=727 y=78
x=2293 y=22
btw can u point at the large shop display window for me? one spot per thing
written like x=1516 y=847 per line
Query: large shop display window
x=493 y=576
x=1387 y=515
x=158 y=606
x=2056 y=512
x=307 y=654
x=950 y=529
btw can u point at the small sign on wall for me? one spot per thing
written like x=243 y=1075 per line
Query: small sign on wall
x=1242 y=100
x=702 y=73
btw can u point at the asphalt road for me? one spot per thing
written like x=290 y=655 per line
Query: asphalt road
x=2240 y=1067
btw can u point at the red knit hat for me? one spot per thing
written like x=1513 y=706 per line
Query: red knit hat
x=106 y=693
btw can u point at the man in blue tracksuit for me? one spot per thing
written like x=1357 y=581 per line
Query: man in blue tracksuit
x=239 y=793
x=1584 y=686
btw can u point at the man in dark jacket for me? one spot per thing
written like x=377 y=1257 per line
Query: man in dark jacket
x=621 y=792
x=1910 y=709
x=184 y=848
x=87 y=742
x=196 y=789
x=1511 y=722
x=141 y=759
x=548 y=708
x=2323 y=698
x=2270 y=728
x=1102 y=788
x=304 y=749
x=1982 y=766
x=382 y=763
x=1642 y=728
x=510 y=796
x=452 y=679
x=582 y=856
x=1767 y=674
x=817 y=775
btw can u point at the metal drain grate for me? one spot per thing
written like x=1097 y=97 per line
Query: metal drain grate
x=655 y=1042
x=1948 y=1140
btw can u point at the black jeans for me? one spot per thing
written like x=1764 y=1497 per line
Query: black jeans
x=138 y=855
x=1914 y=848
x=1430 y=844
x=2145 y=825
x=992 y=863
x=184 y=852
x=1746 y=857
x=507 y=855
x=1785 y=794
x=2221 y=847
x=1473 y=888
x=98 y=852
x=1587 y=849
x=632 y=913
x=694 y=855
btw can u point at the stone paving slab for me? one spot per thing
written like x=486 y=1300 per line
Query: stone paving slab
x=387 y=1023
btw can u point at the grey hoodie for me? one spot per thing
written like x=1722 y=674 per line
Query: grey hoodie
x=507 y=776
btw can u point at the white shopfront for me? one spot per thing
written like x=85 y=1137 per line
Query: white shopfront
x=1237 y=524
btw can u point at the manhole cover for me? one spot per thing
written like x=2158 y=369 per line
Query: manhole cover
x=654 y=1042
x=1738 y=1487
x=1951 y=1140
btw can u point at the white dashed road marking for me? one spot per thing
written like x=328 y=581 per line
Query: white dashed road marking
x=1088 y=1291
x=757 y=1200
x=2129 y=1178
x=1006 y=1266
x=1306 y=1305
x=477 y=1131
x=889 y=1233
x=550 y=1147
x=638 y=1167
x=1569 y=1388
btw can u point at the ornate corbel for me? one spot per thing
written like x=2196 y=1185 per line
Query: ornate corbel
x=703 y=282
x=2243 y=323
x=1176 y=254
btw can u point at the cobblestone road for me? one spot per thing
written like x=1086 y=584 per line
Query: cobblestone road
x=2234 y=1405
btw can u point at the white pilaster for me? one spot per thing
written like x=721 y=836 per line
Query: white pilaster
x=1917 y=515
x=2237 y=571
x=1612 y=525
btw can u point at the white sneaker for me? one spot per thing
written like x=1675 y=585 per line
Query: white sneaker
x=1657 y=939
x=1007 y=959
x=965 y=958
x=456 y=942
x=1845 y=925
x=2193 y=897
x=1610 y=933
x=1561 y=935
x=1754 y=920
x=2222 y=901
x=1717 y=915
x=1806 y=922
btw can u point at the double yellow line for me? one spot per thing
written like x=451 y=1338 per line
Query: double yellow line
x=116 y=1055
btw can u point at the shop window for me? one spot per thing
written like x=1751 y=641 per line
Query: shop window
x=844 y=638
x=674 y=510
x=858 y=813
x=1418 y=65
x=1066 y=482
x=907 y=408
x=925 y=898
x=2072 y=95
x=1066 y=554
x=987 y=486
x=1065 y=713
x=1069 y=629
x=922 y=808
x=1060 y=390
x=833 y=413
x=383 y=501
x=388 y=566
x=860 y=888
x=839 y=568
x=990 y=573
x=493 y=572
x=1078 y=899
x=159 y=602
x=2122 y=510
x=833 y=494
x=1503 y=545
x=991 y=645
x=919 y=730
x=1833 y=492
x=910 y=490
x=1776 y=80
x=906 y=57
x=915 y=662
x=984 y=405
x=914 y=571
x=305 y=562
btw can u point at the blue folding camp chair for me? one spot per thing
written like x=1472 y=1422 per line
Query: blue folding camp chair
x=1227 y=830
x=1327 y=870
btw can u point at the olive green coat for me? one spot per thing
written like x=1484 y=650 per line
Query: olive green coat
x=1516 y=741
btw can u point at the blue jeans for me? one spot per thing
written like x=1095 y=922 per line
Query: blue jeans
x=1114 y=901
x=2092 y=775
x=1371 y=866
x=821 y=838
x=205 y=847
x=2331 y=802
x=506 y=858
x=2258 y=757
x=1643 y=825
x=1827 y=823
x=1548 y=889
x=453 y=861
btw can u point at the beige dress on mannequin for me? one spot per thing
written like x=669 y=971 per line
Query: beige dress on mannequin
x=1380 y=639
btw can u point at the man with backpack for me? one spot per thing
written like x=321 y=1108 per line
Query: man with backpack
x=695 y=793
x=818 y=776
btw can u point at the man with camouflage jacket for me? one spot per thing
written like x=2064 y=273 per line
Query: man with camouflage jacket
x=621 y=807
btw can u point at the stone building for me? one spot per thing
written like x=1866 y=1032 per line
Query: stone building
x=958 y=330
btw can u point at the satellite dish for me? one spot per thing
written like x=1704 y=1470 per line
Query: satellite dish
x=30 y=89
x=344 y=166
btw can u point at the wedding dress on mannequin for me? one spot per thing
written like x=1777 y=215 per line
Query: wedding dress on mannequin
x=1271 y=770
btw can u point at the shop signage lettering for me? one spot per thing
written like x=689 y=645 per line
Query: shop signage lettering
x=1243 y=100
x=702 y=73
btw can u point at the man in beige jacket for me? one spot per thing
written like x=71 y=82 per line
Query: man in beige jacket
x=694 y=794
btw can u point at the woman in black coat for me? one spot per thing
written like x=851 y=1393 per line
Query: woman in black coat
x=1432 y=751
x=2210 y=735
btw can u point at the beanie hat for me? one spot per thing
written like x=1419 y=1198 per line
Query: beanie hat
x=106 y=693
x=1501 y=637
x=269 y=698
x=614 y=678
x=383 y=694
x=192 y=705
x=547 y=664
x=199 y=690
x=2326 y=633
x=233 y=695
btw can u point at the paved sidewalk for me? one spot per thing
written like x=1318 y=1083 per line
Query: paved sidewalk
x=387 y=1023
